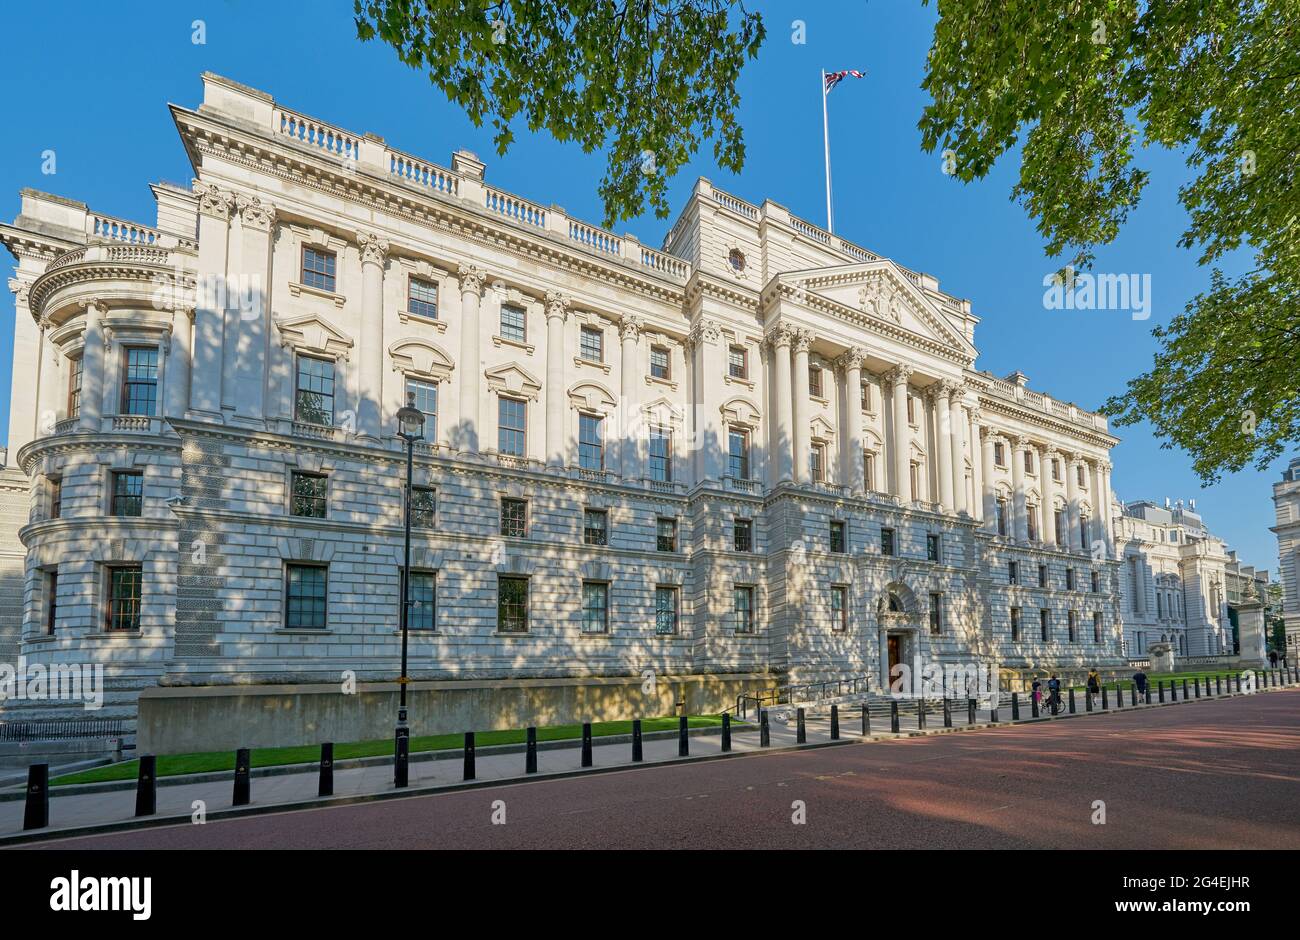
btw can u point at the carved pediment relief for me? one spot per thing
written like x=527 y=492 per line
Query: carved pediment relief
x=312 y=334
x=741 y=411
x=592 y=396
x=663 y=413
x=422 y=357
x=821 y=430
x=513 y=379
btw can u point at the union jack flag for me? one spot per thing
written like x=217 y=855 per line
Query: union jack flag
x=834 y=78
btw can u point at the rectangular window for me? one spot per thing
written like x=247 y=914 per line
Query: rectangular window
x=666 y=535
x=56 y=497
x=1080 y=477
x=817 y=463
x=936 y=614
x=840 y=609
x=318 y=268
x=514 y=323
x=591 y=444
x=911 y=409
x=51 y=600
x=1015 y=623
x=305 y=597
x=1060 y=529
x=738 y=453
x=743 y=535
x=140 y=381
x=514 y=518
x=887 y=541
x=1013 y=572
x=74 y=387
x=660 y=363
x=932 y=547
x=122 y=610
x=665 y=610
x=424 y=507
x=1069 y=579
x=914 y=476
x=837 y=537
x=1056 y=469
x=421 y=298
x=595 y=527
x=426 y=401
x=512 y=604
x=1096 y=583
x=128 y=493
x=868 y=472
x=1031 y=520
x=1042 y=576
x=309 y=495
x=866 y=396
x=512 y=426
x=661 y=454
x=1083 y=532
x=737 y=362
x=595 y=607
x=1072 y=623
x=742 y=609
x=815 y=382
x=422 y=614
x=1160 y=605
x=1001 y=510
x=1096 y=627
x=999 y=455
x=591 y=344
x=1045 y=624
x=1029 y=461
x=313 y=401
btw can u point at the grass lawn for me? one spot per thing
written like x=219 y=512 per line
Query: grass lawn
x=170 y=765
x=1166 y=677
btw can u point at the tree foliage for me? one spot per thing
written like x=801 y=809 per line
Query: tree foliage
x=1078 y=83
x=647 y=79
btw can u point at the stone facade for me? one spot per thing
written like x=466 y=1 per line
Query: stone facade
x=796 y=466
x=1286 y=504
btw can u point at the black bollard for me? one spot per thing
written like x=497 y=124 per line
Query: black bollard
x=1133 y=695
x=469 y=755
x=242 y=785
x=146 y=786
x=683 y=738
x=970 y=711
x=1197 y=682
x=835 y=722
x=993 y=714
x=36 y=815
x=1087 y=700
x=1015 y=706
x=1147 y=693
x=586 y=744
x=1161 y=685
x=325 y=786
x=1105 y=705
x=866 y=721
x=947 y=712
x=800 y=730
x=530 y=746
x=1218 y=685
x=401 y=756
x=1184 y=690
x=1033 y=705
x=764 y=733
x=920 y=712
x=893 y=715
x=726 y=732
x=1071 y=701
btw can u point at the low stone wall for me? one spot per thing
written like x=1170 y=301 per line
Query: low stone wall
x=179 y=720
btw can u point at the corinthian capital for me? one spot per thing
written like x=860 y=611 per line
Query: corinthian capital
x=803 y=339
x=631 y=328
x=213 y=200
x=374 y=248
x=706 y=331
x=780 y=335
x=253 y=211
x=899 y=374
x=471 y=278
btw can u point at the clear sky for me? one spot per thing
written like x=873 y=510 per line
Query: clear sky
x=91 y=81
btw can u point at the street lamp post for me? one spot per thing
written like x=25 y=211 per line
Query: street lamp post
x=410 y=428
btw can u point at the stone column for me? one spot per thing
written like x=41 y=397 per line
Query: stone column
x=704 y=343
x=977 y=465
x=374 y=257
x=1108 y=502
x=1048 y=486
x=631 y=430
x=557 y=313
x=179 y=363
x=944 y=433
x=802 y=406
x=957 y=425
x=1072 y=502
x=1101 y=528
x=779 y=341
x=470 y=367
x=902 y=434
x=850 y=363
x=51 y=383
x=249 y=321
x=988 y=492
x=93 y=358
x=215 y=206
x=1019 y=501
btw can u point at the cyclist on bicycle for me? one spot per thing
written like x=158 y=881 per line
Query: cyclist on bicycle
x=1053 y=694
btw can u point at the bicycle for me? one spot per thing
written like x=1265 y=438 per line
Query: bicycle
x=1053 y=703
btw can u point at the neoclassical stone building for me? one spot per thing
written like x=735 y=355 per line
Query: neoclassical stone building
x=760 y=450
x=1286 y=505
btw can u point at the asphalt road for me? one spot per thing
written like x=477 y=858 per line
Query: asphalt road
x=1214 y=774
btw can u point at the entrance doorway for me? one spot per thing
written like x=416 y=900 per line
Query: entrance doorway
x=895 y=653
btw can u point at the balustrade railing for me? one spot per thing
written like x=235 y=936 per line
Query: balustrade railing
x=595 y=238
x=425 y=175
x=102 y=226
x=323 y=137
x=514 y=208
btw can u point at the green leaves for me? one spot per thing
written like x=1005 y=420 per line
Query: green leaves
x=1077 y=81
x=645 y=80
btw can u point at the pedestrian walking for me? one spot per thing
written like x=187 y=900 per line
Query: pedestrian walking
x=1037 y=688
x=1094 y=685
x=1140 y=682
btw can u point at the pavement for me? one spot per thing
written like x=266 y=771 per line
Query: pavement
x=1215 y=773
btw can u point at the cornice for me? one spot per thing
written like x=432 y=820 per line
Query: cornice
x=991 y=405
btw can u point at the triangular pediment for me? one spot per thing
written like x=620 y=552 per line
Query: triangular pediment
x=513 y=380
x=885 y=293
x=313 y=334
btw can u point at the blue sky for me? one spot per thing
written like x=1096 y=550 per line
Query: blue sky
x=100 y=104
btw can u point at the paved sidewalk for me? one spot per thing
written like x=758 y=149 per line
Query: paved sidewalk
x=70 y=809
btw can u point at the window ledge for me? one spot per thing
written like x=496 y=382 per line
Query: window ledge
x=654 y=380
x=303 y=631
x=592 y=364
x=513 y=634
x=730 y=379
x=517 y=344
x=296 y=289
x=405 y=316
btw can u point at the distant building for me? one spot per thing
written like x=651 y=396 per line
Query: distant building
x=1241 y=582
x=1286 y=503
x=1172 y=581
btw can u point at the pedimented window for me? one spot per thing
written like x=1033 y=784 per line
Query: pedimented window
x=742 y=412
x=513 y=380
x=311 y=334
x=422 y=358
x=592 y=397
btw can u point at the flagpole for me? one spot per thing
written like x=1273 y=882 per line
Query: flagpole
x=826 y=141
